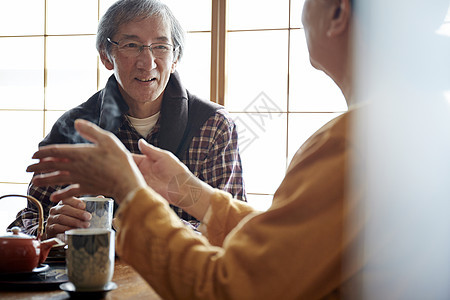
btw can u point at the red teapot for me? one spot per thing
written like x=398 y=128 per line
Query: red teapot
x=21 y=252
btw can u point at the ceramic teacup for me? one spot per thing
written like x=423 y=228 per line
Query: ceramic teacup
x=90 y=258
x=101 y=210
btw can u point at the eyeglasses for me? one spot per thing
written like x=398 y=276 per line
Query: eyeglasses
x=132 y=48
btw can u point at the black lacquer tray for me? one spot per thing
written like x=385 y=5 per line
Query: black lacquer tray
x=48 y=279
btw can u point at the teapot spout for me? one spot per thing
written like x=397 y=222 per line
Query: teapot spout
x=46 y=246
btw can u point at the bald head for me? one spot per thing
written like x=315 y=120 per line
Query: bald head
x=327 y=25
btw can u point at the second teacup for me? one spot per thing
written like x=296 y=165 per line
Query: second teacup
x=101 y=210
x=90 y=258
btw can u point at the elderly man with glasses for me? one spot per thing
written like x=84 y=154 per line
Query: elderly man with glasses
x=145 y=98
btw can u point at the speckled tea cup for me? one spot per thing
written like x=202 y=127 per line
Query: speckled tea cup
x=90 y=258
x=101 y=210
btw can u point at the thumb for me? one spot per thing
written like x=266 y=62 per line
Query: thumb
x=138 y=158
x=149 y=150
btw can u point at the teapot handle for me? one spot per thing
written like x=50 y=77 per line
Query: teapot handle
x=40 y=230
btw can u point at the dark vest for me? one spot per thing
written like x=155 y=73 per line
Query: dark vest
x=177 y=136
x=182 y=116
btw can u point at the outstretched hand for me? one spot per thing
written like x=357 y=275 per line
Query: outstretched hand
x=158 y=167
x=104 y=167
x=163 y=171
x=170 y=178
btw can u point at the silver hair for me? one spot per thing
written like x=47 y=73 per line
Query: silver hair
x=125 y=11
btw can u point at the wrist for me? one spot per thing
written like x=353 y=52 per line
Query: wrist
x=128 y=187
x=191 y=194
x=200 y=208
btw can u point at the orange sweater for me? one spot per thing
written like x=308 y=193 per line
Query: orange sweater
x=294 y=250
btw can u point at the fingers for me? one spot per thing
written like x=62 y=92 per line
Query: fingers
x=47 y=164
x=53 y=178
x=71 y=204
x=72 y=190
x=61 y=223
x=59 y=152
x=60 y=178
x=153 y=152
x=88 y=130
x=149 y=150
x=64 y=152
x=52 y=230
x=67 y=214
x=95 y=134
x=103 y=167
x=156 y=154
x=138 y=158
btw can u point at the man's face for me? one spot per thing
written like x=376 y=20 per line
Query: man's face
x=315 y=28
x=143 y=78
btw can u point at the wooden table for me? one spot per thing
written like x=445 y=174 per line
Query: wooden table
x=129 y=286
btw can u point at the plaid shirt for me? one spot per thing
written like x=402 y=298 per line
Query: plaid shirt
x=213 y=156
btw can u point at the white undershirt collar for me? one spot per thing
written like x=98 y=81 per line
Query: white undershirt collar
x=144 y=126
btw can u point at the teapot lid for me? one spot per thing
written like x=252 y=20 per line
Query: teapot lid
x=16 y=234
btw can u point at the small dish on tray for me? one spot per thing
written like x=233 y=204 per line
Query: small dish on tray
x=70 y=288
x=47 y=276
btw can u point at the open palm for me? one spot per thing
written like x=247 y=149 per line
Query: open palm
x=159 y=167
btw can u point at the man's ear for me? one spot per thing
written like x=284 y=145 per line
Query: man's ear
x=341 y=18
x=106 y=61
x=174 y=65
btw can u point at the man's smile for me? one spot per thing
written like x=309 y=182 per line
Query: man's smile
x=145 y=79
